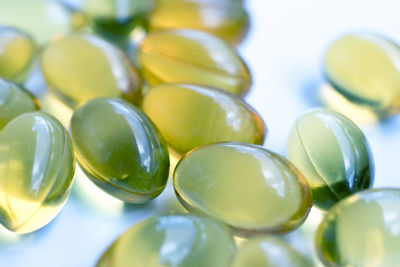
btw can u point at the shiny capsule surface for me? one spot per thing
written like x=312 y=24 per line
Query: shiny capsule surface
x=120 y=149
x=268 y=251
x=245 y=186
x=362 y=230
x=14 y=101
x=194 y=57
x=117 y=17
x=36 y=169
x=82 y=67
x=226 y=19
x=43 y=19
x=333 y=155
x=173 y=241
x=17 y=52
x=363 y=68
x=189 y=116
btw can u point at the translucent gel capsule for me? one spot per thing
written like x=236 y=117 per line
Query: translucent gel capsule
x=17 y=51
x=115 y=16
x=82 y=67
x=173 y=241
x=333 y=155
x=195 y=57
x=268 y=251
x=362 y=230
x=43 y=19
x=36 y=169
x=245 y=186
x=189 y=116
x=14 y=101
x=120 y=149
x=364 y=69
x=226 y=19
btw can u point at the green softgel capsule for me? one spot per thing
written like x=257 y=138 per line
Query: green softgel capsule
x=14 y=101
x=245 y=186
x=17 y=52
x=173 y=241
x=116 y=17
x=226 y=19
x=333 y=155
x=43 y=19
x=36 y=171
x=189 y=116
x=81 y=67
x=364 y=69
x=120 y=149
x=194 y=57
x=362 y=230
x=268 y=251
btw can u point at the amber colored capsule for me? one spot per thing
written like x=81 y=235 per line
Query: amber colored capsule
x=362 y=230
x=333 y=155
x=189 y=116
x=194 y=57
x=363 y=67
x=245 y=186
x=17 y=52
x=81 y=67
x=36 y=171
x=226 y=19
x=173 y=241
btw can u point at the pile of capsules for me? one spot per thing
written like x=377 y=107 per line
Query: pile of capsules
x=180 y=86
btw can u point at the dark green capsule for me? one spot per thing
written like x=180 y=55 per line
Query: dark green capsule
x=120 y=149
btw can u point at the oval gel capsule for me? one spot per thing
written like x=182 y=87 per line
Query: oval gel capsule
x=82 y=67
x=174 y=241
x=362 y=230
x=245 y=186
x=36 y=170
x=194 y=57
x=120 y=149
x=333 y=155
x=189 y=116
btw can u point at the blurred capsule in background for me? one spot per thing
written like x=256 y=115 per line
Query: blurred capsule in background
x=194 y=57
x=364 y=69
x=226 y=19
x=44 y=20
x=17 y=52
x=189 y=116
x=14 y=101
x=81 y=67
x=333 y=155
x=174 y=241
x=118 y=17
x=36 y=171
x=120 y=149
x=362 y=230
x=268 y=251
x=245 y=186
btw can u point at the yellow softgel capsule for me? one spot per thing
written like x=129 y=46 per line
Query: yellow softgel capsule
x=226 y=19
x=194 y=57
x=17 y=52
x=364 y=69
x=43 y=19
x=333 y=155
x=36 y=169
x=81 y=67
x=268 y=251
x=173 y=241
x=362 y=230
x=189 y=116
x=14 y=101
x=245 y=186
